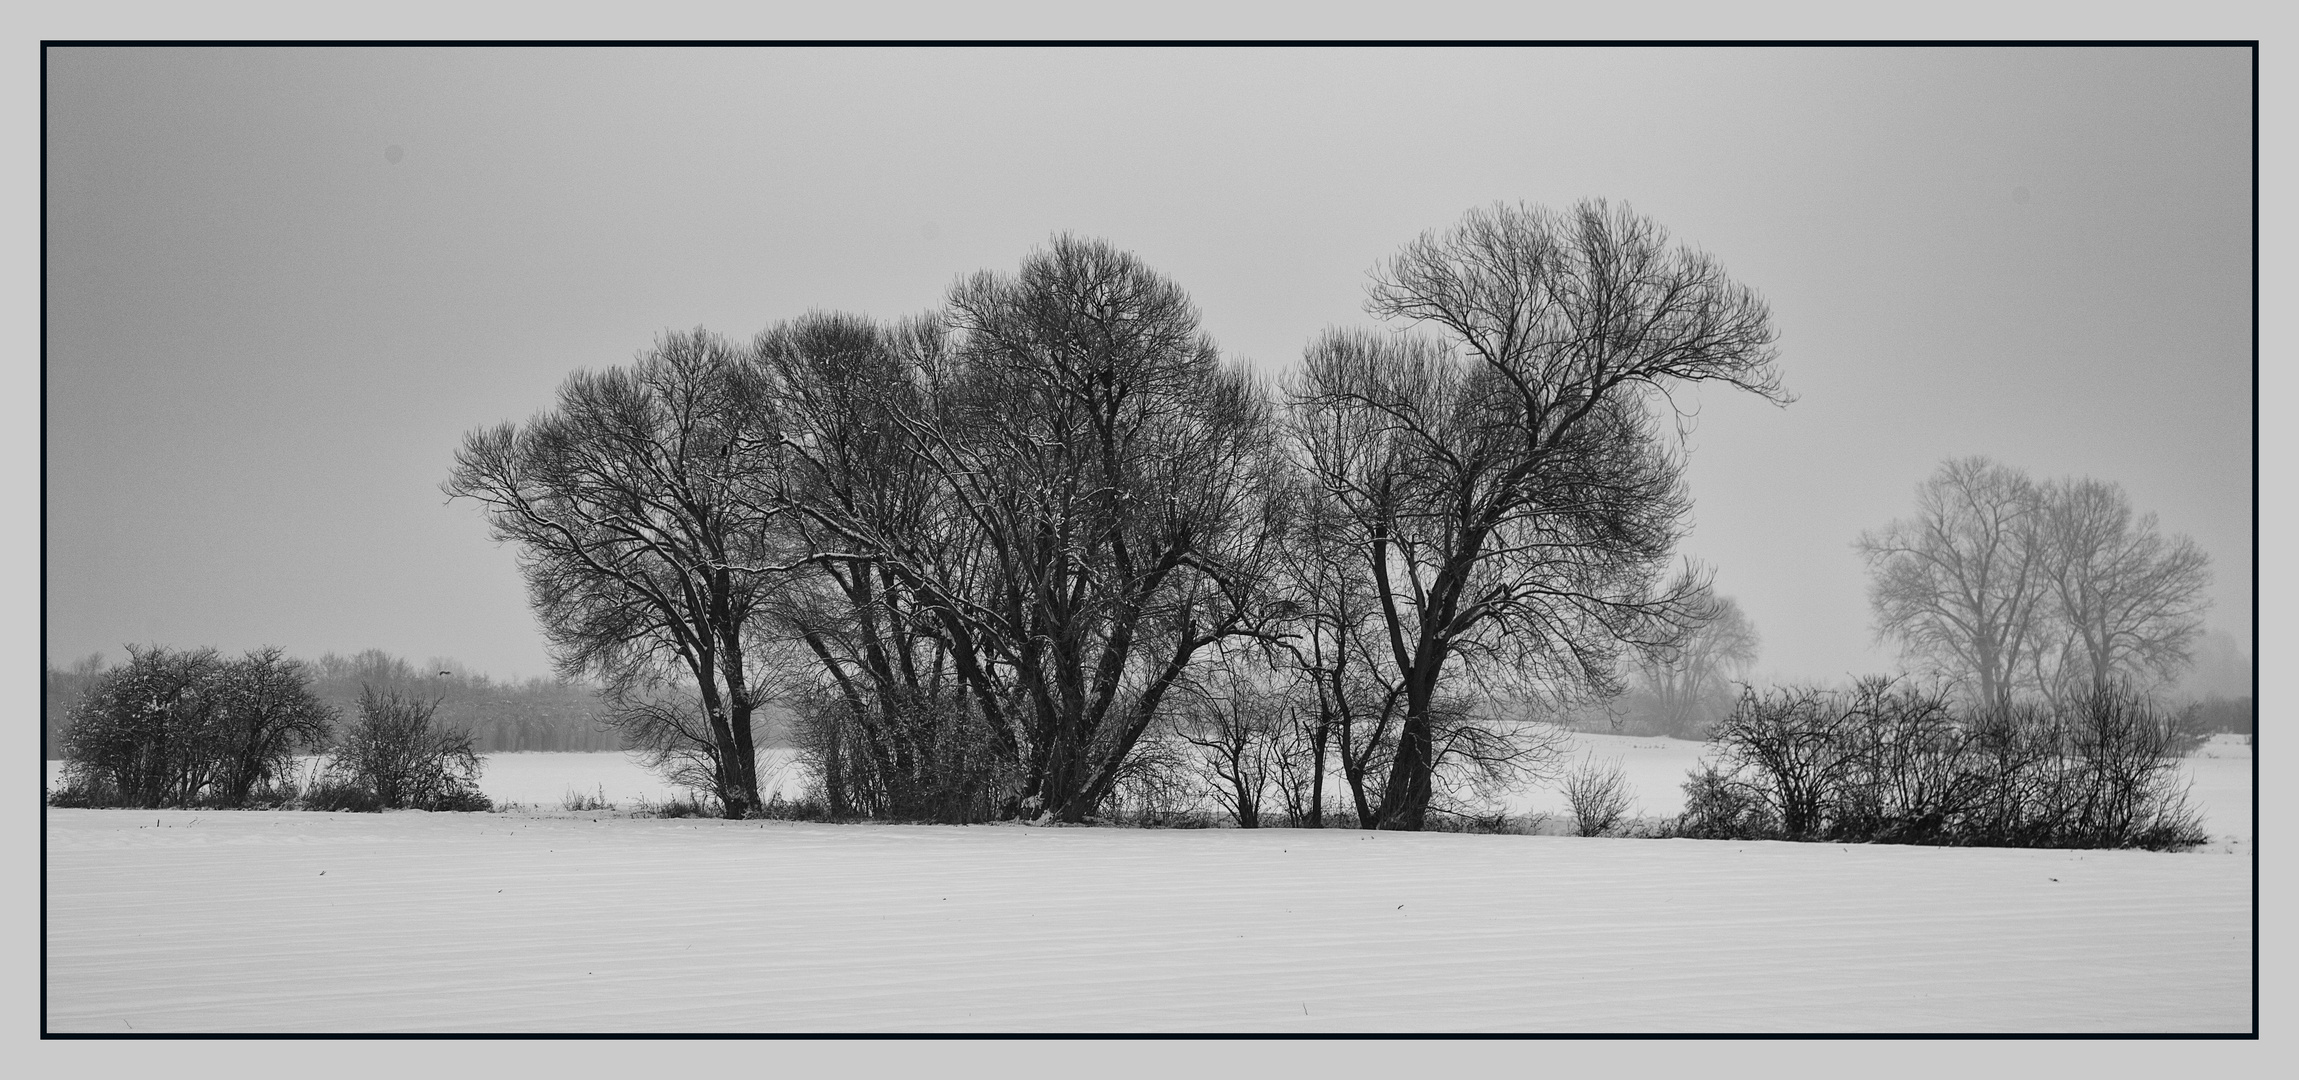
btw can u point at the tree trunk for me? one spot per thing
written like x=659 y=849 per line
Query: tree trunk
x=1317 y=772
x=1405 y=800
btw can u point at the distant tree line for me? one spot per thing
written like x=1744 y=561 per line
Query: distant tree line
x=537 y=714
x=1033 y=552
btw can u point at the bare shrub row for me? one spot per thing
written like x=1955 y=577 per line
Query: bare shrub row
x=1890 y=763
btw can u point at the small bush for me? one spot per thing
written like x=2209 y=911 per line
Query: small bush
x=1598 y=794
x=1160 y=818
x=577 y=800
x=809 y=807
x=85 y=792
x=1719 y=806
x=332 y=792
x=690 y=805
x=396 y=755
x=1496 y=822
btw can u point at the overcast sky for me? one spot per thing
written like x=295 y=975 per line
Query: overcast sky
x=283 y=283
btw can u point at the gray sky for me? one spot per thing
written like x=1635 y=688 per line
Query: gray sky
x=266 y=337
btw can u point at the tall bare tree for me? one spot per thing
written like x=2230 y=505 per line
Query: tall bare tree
x=2129 y=601
x=1504 y=478
x=1961 y=586
x=897 y=731
x=647 y=559
x=1093 y=511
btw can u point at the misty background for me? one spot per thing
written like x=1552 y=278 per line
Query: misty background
x=282 y=283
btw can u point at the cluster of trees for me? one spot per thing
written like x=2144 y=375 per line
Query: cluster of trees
x=1891 y=763
x=2015 y=590
x=1017 y=555
x=191 y=728
x=537 y=714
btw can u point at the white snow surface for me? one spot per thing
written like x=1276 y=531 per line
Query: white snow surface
x=543 y=920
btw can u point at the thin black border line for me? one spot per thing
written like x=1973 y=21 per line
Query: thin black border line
x=1172 y=1036
x=2256 y=655
x=44 y=748
x=1160 y=43
x=2251 y=44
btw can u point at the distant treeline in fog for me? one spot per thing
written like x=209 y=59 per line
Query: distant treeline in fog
x=538 y=714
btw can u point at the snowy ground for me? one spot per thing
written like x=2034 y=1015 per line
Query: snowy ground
x=547 y=921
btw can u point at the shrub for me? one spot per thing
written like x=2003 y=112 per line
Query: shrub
x=397 y=755
x=577 y=800
x=189 y=729
x=811 y=806
x=1718 y=805
x=908 y=756
x=1598 y=794
x=1484 y=822
x=146 y=733
x=1893 y=764
x=339 y=793
x=1157 y=786
x=1792 y=743
x=690 y=805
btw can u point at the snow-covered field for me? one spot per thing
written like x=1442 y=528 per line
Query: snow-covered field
x=548 y=921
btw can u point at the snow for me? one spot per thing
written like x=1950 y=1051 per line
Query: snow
x=544 y=920
x=542 y=780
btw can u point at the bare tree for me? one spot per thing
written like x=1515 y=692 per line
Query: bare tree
x=2012 y=588
x=1240 y=729
x=1691 y=681
x=1797 y=739
x=1961 y=586
x=1101 y=470
x=646 y=559
x=1345 y=709
x=894 y=729
x=394 y=752
x=147 y=733
x=267 y=714
x=1504 y=484
x=2128 y=600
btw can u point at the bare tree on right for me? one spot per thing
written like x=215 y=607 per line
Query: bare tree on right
x=2013 y=589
